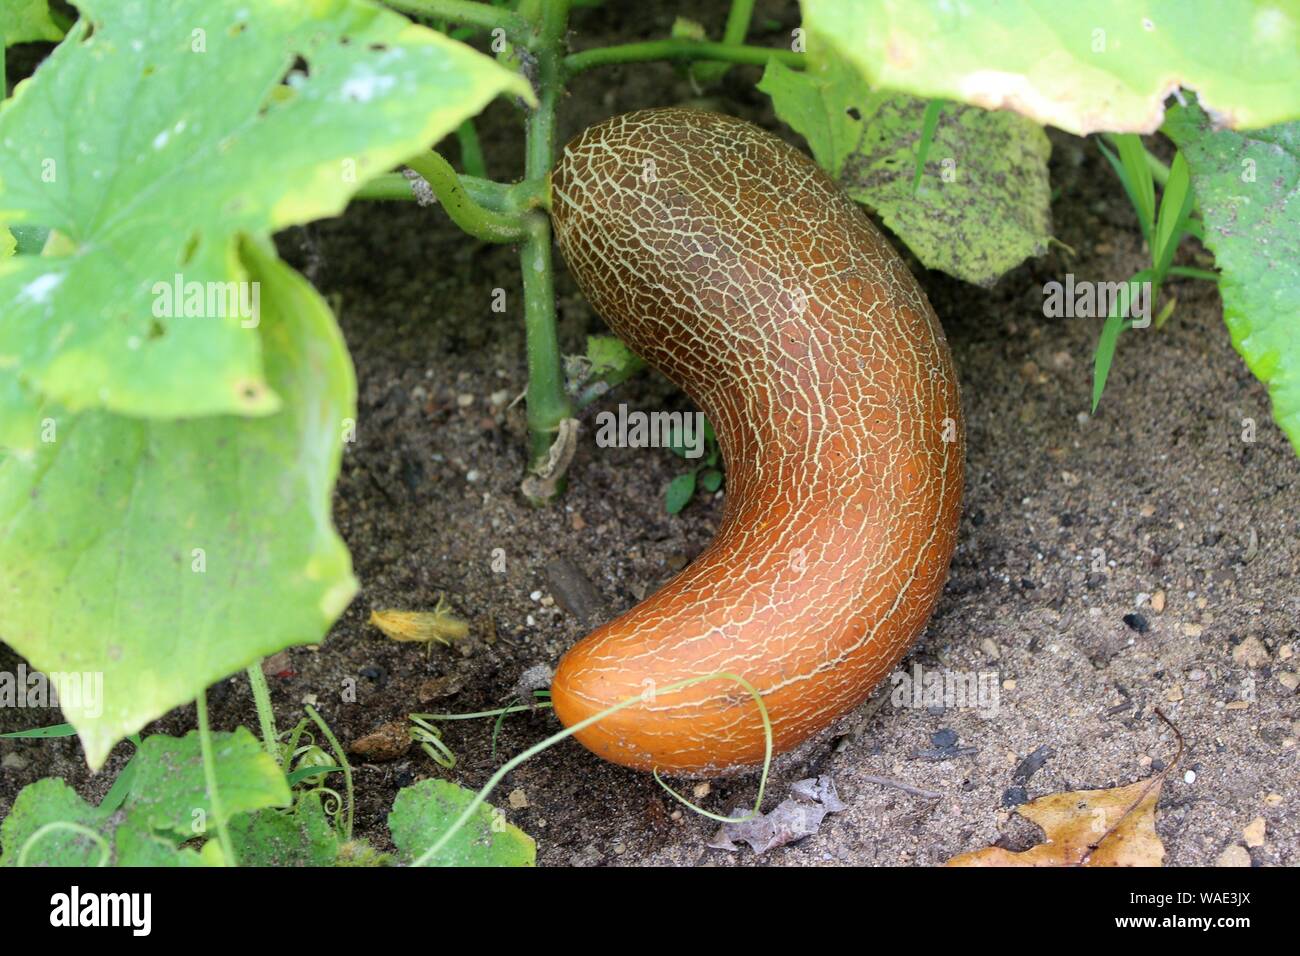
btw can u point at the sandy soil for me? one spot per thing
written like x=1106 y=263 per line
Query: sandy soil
x=1160 y=481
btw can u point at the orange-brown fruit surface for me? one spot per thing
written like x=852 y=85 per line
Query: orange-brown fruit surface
x=734 y=265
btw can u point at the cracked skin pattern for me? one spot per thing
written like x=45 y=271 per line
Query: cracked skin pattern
x=734 y=265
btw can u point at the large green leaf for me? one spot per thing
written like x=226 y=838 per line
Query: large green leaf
x=152 y=142
x=22 y=21
x=984 y=203
x=167 y=555
x=423 y=812
x=1082 y=65
x=1247 y=187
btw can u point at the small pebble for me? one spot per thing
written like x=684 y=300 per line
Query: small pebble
x=518 y=799
x=1254 y=832
x=1251 y=653
x=1234 y=855
x=1189 y=777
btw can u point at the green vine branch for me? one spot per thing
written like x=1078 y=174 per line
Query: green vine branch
x=475 y=219
x=679 y=50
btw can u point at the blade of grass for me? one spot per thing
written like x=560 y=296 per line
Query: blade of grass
x=1116 y=322
x=929 y=123
x=1134 y=157
x=1175 y=207
x=1130 y=187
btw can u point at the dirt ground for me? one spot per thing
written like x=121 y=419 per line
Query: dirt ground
x=1185 y=513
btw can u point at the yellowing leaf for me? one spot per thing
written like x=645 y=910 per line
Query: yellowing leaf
x=1114 y=827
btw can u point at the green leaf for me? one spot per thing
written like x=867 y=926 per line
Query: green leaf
x=165 y=556
x=1132 y=155
x=169 y=795
x=423 y=812
x=8 y=244
x=1247 y=188
x=929 y=124
x=24 y=21
x=611 y=361
x=1175 y=207
x=1131 y=188
x=163 y=804
x=680 y=491
x=155 y=141
x=1084 y=65
x=43 y=733
x=1116 y=322
x=984 y=205
x=710 y=480
x=51 y=821
x=20 y=415
x=302 y=837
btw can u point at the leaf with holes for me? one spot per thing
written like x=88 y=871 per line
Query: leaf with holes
x=1083 y=66
x=1247 y=186
x=165 y=556
x=983 y=202
x=160 y=131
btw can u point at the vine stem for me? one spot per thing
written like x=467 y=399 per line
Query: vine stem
x=548 y=405
x=342 y=757
x=679 y=50
x=479 y=221
x=733 y=34
x=467 y=12
x=490 y=195
x=265 y=713
x=210 y=780
x=505 y=768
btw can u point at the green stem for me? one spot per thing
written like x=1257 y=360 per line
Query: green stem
x=488 y=194
x=210 y=780
x=466 y=11
x=471 y=151
x=342 y=758
x=733 y=34
x=548 y=405
x=265 y=714
x=477 y=220
x=742 y=11
x=679 y=50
